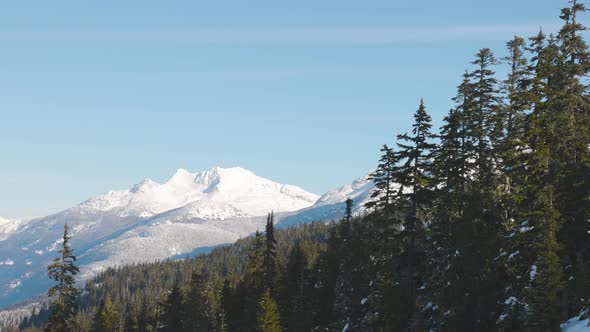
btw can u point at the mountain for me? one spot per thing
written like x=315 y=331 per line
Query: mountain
x=146 y=222
x=9 y=226
x=331 y=205
x=240 y=188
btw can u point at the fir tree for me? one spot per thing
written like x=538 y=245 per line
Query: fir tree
x=484 y=121
x=382 y=197
x=143 y=317
x=348 y=210
x=296 y=297
x=195 y=319
x=105 y=318
x=129 y=322
x=255 y=268
x=173 y=311
x=570 y=155
x=63 y=270
x=268 y=316
x=270 y=254
x=413 y=199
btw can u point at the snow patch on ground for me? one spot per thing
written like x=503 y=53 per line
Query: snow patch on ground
x=576 y=325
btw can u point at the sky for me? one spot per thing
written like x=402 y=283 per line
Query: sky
x=97 y=95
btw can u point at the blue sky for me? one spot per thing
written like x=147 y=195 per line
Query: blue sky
x=99 y=95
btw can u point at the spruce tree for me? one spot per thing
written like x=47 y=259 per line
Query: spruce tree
x=382 y=196
x=195 y=319
x=484 y=121
x=106 y=318
x=173 y=310
x=268 y=315
x=570 y=153
x=413 y=199
x=129 y=322
x=143 y=317
x=270 y=254
x=451 y=182
x=296 y=302
x=224 y=317
x=255 y=268
x=64 y=295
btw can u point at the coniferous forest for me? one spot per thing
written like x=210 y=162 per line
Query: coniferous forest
x=481 y=225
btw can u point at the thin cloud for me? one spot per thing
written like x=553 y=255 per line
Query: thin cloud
x=384 y=35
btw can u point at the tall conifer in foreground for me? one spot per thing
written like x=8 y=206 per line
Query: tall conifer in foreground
x=571 y=155
x=64 y=295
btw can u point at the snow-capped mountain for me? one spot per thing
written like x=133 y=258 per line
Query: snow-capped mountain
x=149 y=221
x=331 y=206
x=236 y=188
x=9 y=226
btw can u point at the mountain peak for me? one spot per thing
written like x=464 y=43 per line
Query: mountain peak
x=145 y=184
x=181 y=176
x=237 y=186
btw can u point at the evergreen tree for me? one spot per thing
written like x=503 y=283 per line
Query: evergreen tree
x=570 y=154
x=451 y=180
x=270 y=254
x=105 y=318
x=348 y=210
x=143 y=317
x=328 y=271
x=63 y=270
x=296 y=296
x=226 y=314
x=268 y=316
x=195 y=319
x=382 y=196
x=484 y=122
x=413 y=200
x=255 y=269
x=173 y=311
x=129 y=322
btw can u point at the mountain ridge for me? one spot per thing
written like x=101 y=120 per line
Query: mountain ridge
x=151 y=221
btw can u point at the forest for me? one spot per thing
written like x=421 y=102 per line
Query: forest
x=482 y=225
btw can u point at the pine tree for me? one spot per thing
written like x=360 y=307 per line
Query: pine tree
x=512 y=141
x=105 y=318
x=64 y=295
x=268 y=316
x=195 y=319
x=570 y=155
x=270 y=254
x=348 y=210
x=173 y=311
x=542 y=294
x=328 y=270
x=143 y=317
x=382 y=196
x=224 y=317
x=413 y=199
x=255 y=269
x=296 y=297
x=484 y=121
x=129 y=323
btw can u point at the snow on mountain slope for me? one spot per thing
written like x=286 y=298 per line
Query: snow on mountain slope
x=9 y=226
x=245 y=190
x=331 y=205
x=359 y=190
x=149 y=221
